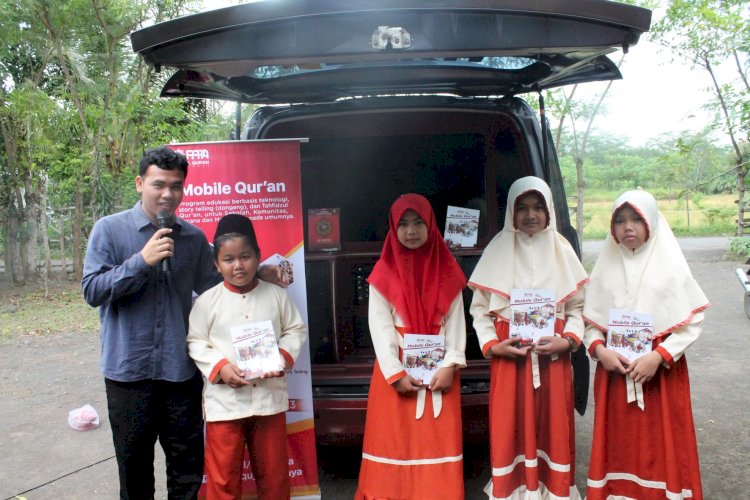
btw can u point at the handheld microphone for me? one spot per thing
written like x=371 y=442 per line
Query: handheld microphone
x=163 y=219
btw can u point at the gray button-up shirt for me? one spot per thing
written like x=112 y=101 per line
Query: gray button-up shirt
x=143 y=311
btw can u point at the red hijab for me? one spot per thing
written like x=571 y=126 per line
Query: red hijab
x=421 y=283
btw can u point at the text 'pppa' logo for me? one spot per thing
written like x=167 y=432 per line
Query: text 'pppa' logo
x=196 y=157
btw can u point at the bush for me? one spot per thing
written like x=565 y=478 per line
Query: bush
x=718 y=215
x=698 y=198
x=740 y=247
x=661 y=193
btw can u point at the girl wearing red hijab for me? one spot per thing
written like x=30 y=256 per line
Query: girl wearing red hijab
x=412 y=445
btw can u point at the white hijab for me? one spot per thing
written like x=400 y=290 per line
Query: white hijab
x=514 y=259
x=653 y=279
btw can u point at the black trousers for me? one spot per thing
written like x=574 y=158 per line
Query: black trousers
x=139 y=413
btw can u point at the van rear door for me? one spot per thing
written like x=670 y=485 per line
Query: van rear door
x=317 y=51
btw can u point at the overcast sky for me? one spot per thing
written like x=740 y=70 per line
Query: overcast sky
x=656 y=95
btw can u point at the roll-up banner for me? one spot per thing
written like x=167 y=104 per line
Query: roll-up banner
x=262 y=180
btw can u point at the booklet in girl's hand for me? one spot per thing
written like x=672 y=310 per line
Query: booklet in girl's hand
x=423 y=355
x=532 y=314
x=630 y=333
x=256 y=348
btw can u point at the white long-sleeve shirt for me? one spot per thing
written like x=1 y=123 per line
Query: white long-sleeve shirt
x=383 y=321
x=484 y=310
x=671 y=350
x=210 y=346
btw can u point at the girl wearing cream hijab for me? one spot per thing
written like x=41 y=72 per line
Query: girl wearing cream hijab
x=644 y=442
x=532 y=447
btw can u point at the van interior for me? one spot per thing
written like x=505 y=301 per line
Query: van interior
x=360 y=162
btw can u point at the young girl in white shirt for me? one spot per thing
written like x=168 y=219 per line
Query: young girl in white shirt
x=644 y=442
x=412 y=445
x=532 y=439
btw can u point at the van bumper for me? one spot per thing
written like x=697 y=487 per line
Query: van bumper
x=340 y=421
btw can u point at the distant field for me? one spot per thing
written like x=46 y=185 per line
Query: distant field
x=710 y=215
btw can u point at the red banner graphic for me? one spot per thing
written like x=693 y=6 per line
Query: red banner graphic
x=262 y=181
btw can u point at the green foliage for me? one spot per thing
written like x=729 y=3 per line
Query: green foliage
x=78 y=107
x=716 y=216
x=666 y=166
x=740 y=247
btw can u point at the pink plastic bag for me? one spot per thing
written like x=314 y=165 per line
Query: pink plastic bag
x=84 y=418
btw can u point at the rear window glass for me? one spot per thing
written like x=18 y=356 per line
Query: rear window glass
x=501 y=63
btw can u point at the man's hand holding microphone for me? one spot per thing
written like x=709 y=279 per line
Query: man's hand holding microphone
x=160 y=248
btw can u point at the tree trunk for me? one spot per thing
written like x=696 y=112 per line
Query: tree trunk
x=78 y=234
x=566 y=110
x=32 y=215
x=47 y=269
x=13 y=250
x=741 y=172
x=26 y=263
x=580 y=187
x=63 y=256
x=742 y=230
x=8 y=247
x=740 y=70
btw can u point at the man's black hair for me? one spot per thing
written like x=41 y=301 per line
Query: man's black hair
x=164 y=158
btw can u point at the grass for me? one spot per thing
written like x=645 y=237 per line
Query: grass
x=712 y=215
x=64 y=311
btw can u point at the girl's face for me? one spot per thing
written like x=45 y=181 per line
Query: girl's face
x=237 y=262
x=530 y=215
x=630 y=228
x=412 y=230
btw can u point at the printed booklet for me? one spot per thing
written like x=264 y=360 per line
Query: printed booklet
x=461 y=227
x=630 y=333
x=423 y=355
x=256 y=348
x=532 y=314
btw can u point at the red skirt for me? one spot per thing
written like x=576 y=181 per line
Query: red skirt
x=406 y=458
x=532 y=436
x=645 y=454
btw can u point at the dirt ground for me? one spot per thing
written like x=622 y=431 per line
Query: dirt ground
x=43 y=377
